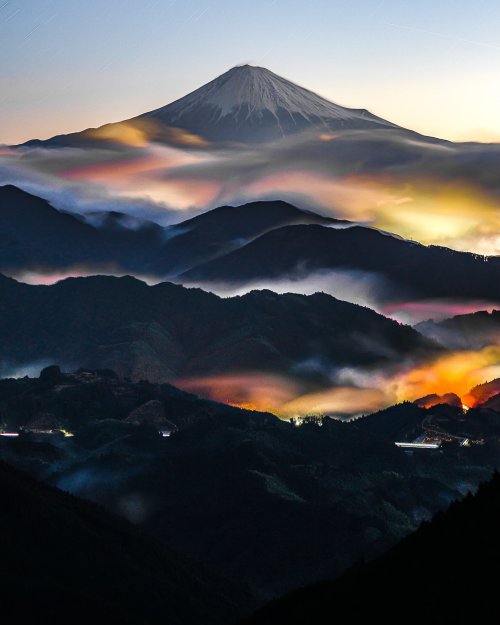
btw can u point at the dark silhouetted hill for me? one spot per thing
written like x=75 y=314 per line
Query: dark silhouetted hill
x=295 y=251
x=443 y=573
x=165 y=331
x=234 y=246
x=66 y=560
x=35 y=236
x=472 y=331
x=252 y=498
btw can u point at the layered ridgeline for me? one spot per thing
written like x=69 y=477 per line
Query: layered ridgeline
x=251 y=497
x=34 y=236
x=167 y=331
x=234 y=247
x=297 y=251
x=244 y=105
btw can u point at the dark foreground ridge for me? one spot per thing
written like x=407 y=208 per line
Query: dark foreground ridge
x=263 y=502
x=443 y=573
x=65 y=560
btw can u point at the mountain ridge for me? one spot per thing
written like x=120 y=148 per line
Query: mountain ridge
x=35 y=234
x=167 y=331
x=426 y=270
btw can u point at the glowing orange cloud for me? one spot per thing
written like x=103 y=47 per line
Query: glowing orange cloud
x=345 y=400
x=145 y=173
x=283 y=396
x=111 y=171
x=432 y=208
x=254 y=391
x=455 y=373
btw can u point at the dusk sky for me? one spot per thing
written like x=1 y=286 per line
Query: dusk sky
x=430 y=66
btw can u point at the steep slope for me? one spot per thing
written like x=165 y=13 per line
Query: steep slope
x=224 y=229
x=64 y=559
x=244 y=105
x=164 y=331
x=253 y=105
x=441 y=573
x=486 y=395
x=296 y=251
x=35 y=236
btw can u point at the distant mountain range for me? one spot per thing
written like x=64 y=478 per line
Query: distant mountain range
x=472 y=331
x=166 y=331
x=297 y=251
x=235 y=247
x=245 y=105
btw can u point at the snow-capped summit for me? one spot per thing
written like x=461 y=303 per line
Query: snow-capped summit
x=245 y=105
x=253 y=105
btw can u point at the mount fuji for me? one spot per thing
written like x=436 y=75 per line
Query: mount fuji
x=253 y=105
x=246 y=105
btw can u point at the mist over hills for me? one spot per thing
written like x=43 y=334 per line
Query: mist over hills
x=166 y=331
x=250 y=134
x=231 y=492
x=298 y=251
x=232 y=248
x=37 y=237
x=472 y=331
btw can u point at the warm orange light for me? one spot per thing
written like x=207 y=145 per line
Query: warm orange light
x=453 y=373
x=254 y=391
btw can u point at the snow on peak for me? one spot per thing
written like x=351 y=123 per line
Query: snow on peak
x=253 y=105
x=251 y=90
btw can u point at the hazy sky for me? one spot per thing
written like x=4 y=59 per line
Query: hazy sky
x=431 y=65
